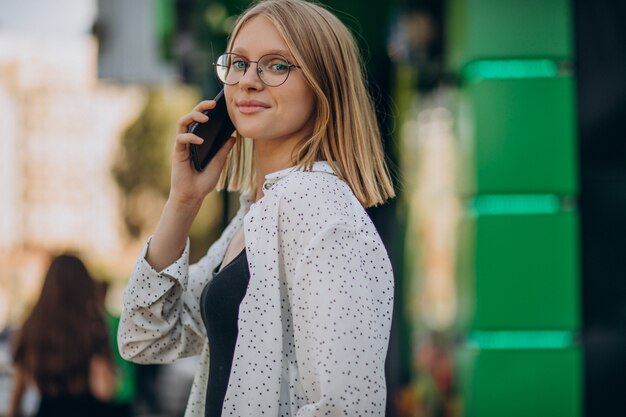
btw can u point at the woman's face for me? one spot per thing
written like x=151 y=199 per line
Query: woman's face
x=284 y=113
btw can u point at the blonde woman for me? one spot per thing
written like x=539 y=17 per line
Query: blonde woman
x=290 y=309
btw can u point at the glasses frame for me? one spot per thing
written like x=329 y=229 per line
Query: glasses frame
x=258 y=71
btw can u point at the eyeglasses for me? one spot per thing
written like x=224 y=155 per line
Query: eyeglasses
x=272 y=69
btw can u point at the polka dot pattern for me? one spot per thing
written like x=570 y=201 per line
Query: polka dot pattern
x=314 y=324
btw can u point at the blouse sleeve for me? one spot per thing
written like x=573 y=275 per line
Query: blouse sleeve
x=161 y=319
x=342 y=298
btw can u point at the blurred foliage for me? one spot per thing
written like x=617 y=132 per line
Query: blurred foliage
x=190 y=34
x=143 y=163
x=146 y=142
x=202 y=28
x=165 y=25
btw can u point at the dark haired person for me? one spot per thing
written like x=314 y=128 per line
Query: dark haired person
x=62 y=348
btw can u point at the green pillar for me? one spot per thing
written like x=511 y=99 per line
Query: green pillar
x=518 y=252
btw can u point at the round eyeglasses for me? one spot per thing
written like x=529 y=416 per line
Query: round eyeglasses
x=272 y=69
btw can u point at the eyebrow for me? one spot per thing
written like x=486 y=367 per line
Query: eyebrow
x=283 y=52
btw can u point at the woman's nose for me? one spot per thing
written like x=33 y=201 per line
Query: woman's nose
x=251 y=78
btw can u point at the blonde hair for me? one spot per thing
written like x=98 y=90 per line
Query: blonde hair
x=346 y=132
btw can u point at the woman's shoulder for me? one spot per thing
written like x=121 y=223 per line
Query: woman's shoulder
x=317 y=186
x=319 y=195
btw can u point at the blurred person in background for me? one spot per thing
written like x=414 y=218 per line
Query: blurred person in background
x=63 y=349
x=291 y=307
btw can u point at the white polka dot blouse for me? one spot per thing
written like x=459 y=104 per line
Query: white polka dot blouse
x=314 y=324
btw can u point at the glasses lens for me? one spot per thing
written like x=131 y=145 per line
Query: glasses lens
x=273 y=70
x=230 y=68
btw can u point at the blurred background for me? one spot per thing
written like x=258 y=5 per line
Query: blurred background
x=504 y=120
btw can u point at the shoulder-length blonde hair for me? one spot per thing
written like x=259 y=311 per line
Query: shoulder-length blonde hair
x=346 y=132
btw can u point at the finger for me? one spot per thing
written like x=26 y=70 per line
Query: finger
x=185 y=139
x=204 y=105
x=184 y=122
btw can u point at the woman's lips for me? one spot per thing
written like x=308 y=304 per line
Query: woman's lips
x=251 y=106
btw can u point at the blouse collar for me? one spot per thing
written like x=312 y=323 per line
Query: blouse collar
x=318 y=166
x=246 y=200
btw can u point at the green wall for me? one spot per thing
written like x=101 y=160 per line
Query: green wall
x=518 y=247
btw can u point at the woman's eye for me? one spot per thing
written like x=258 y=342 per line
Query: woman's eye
x=240 y=65
x=279 y=66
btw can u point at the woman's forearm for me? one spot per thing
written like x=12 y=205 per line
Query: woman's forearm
x=19 y=386
x=170 y=235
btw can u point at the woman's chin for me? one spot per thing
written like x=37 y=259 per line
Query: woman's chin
x=251 y=132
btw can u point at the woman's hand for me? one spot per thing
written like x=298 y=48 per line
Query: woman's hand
x=189 y=186
x=102 y=378
x=187 y=191
x=19 y=388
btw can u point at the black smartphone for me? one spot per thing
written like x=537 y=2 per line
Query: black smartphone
x=215 y=133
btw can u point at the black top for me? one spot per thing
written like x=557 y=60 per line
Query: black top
x=72 y=406
x=219 y=305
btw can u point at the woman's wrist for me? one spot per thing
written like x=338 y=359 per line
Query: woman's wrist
x=170 y=235
x=178 y=216
x=184 y=205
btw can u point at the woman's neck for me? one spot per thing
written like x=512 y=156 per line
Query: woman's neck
x=271 y=156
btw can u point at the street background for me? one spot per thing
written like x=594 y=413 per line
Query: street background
x=503 y=121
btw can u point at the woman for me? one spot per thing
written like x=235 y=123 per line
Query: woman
x=63 y=347
x=296 y=295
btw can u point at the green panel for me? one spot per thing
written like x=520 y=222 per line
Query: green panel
x=517 y=136
x=520 y=339
x=518 y=272
x=520 y=383
x=496 y=29
x=510 y=69
x=514 y=204
x=165 y=26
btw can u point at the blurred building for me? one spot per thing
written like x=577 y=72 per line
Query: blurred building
x=59 y=130
x=134 y=32
x=74 y=75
